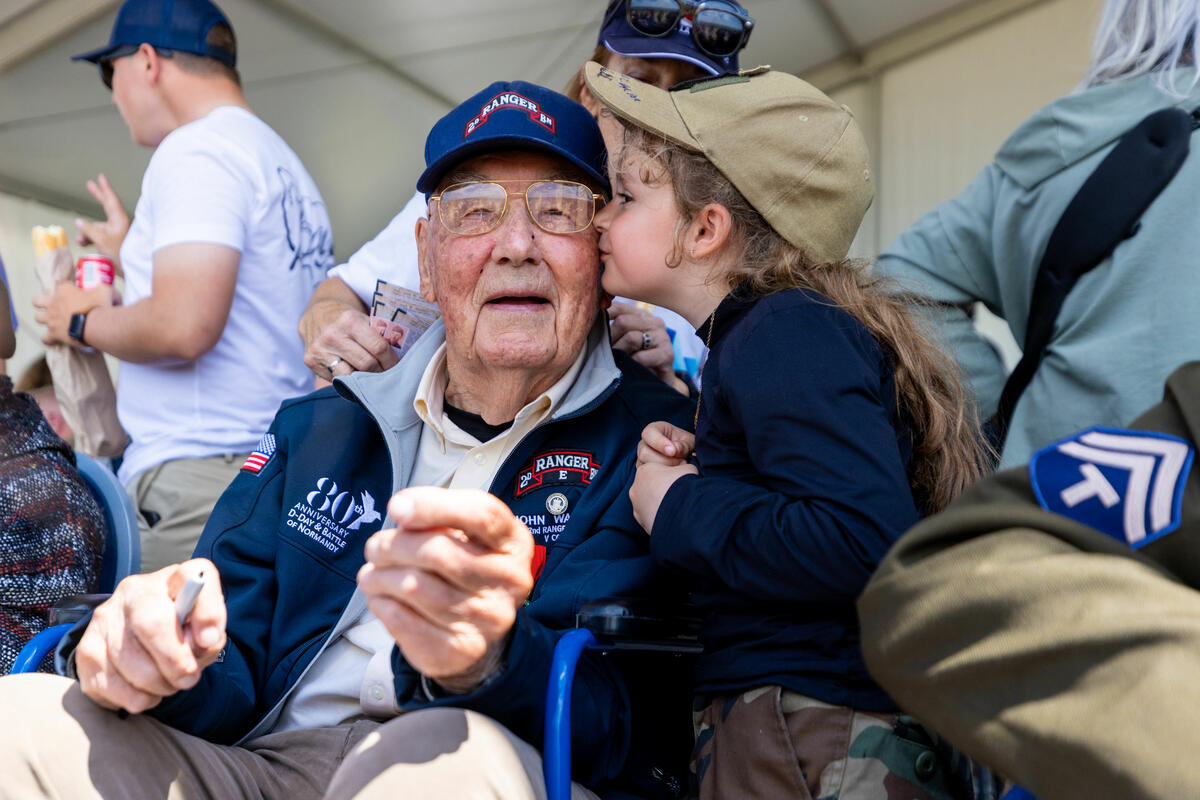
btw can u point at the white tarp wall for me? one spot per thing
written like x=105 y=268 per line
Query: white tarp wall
x=934 y=101
x=935 y=119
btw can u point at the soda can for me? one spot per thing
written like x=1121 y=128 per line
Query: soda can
x=93 y=270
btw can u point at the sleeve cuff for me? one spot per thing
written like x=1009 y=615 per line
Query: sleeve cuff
x=232 y=237
x=671 y=515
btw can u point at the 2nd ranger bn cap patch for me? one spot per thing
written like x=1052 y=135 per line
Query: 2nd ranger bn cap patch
x=1126 y=484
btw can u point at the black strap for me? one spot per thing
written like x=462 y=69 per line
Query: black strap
x=1103 y=213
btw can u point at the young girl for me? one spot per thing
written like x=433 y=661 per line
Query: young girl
x=827 y=425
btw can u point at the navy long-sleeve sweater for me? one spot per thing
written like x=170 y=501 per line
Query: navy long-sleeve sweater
x=802 y=488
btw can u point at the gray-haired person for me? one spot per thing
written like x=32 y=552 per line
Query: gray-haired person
x=1046 y=622
x=1129 y=322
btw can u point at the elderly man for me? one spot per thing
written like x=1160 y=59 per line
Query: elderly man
x=299 y=648
x=337 y=336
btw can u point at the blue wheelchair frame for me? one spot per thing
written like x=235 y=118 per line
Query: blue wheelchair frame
x=556 y=743
x=603 y=626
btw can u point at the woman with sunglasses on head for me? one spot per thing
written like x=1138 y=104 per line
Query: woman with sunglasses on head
x=665 y=42
x=661 y=42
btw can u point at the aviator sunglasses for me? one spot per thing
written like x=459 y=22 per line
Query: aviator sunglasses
x=718 y=28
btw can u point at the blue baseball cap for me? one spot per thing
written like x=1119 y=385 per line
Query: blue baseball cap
x=181 y=25
x=618 y=36
x=514 y=116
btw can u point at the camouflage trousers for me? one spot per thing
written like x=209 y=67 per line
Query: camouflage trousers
x=775 y=744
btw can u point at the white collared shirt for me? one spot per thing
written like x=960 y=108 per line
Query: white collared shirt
x=353 y=676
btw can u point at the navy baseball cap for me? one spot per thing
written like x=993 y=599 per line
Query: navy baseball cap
x=181 y=25
x=514 y=116
x=618 y=36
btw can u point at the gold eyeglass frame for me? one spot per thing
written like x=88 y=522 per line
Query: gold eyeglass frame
x=596 y=198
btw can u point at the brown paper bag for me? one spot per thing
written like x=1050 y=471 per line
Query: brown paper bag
x=81 y=381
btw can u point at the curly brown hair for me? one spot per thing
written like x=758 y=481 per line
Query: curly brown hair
x=949 y=452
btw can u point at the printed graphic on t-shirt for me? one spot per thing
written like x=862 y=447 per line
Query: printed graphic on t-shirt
x=311 y=244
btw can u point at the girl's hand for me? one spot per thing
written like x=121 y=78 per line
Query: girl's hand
x=663 y=443
x=650 y=485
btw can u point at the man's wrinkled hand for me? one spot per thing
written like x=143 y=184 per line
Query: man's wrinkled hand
x=448 y=580
x=135 y=652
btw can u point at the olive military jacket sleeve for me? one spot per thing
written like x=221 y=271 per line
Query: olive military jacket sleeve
x=1064 y=658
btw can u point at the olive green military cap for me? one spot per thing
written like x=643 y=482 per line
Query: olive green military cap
x=794 y=154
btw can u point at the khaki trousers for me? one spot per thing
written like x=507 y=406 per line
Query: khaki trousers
x=181 y=494
x=56 y=743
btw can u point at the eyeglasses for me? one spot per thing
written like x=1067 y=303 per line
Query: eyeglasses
x=106 y=67
x=719 y=28
x=477 y=207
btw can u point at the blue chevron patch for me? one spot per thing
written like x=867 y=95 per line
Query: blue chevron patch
x=1124 y=483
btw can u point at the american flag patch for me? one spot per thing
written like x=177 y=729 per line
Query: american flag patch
x=261 y=454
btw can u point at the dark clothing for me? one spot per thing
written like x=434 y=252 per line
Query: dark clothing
x=802 y=489
x=1048 y=621
x=51 y=530
x=288 y=541
x=474 y=424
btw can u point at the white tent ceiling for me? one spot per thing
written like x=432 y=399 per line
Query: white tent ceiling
x=353 y=85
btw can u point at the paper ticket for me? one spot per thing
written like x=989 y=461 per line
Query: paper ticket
x=401 y=316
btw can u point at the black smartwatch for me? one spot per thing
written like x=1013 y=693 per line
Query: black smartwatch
x=75 y=328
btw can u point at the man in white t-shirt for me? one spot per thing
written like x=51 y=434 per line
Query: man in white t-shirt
x=228 y=240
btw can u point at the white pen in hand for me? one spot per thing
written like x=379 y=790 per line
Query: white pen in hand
x=186 y=600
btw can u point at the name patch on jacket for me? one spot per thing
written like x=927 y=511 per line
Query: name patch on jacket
x=329 y=513
x=1126 y=484
x=557 y=468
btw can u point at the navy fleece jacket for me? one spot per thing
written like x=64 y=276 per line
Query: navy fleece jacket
x=802 y=489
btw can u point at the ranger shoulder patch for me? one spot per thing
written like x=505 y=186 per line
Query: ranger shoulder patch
x=557 y=468
x=1124 y=483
